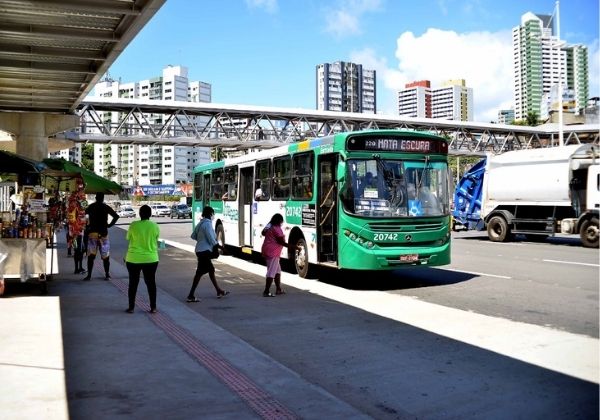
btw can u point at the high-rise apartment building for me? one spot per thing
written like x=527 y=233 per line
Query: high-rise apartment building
x=452 y=101
x=415 y=99
x=541 y=60
x=73 y=154
x=578 y=74
x=346 y=87
x=145 y=164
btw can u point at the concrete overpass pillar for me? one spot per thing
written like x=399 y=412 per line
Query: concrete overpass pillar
x=32 y=129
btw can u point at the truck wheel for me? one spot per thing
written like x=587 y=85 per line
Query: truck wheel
x=589 y=233
x=301 y=257
x=498 y=229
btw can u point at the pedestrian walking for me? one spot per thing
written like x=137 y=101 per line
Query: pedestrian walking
x=142 y=256
x=271 y=251
x=206 y=241
x=98 y=225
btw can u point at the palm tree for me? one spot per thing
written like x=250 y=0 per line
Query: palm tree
x=532 y=118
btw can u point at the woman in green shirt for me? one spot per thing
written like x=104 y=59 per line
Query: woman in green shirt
x=142 y=256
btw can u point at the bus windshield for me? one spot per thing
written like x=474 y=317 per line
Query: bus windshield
x=396 y=188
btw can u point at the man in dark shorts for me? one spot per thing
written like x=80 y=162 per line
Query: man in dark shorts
x=97 y=229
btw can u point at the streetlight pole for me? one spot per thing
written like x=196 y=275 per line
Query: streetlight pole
x=560 y=94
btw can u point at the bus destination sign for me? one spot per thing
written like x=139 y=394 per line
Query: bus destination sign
x=397 y=144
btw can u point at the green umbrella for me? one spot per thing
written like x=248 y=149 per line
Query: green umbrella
x=61 y=168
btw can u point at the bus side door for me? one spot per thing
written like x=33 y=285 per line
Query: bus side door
x=327 y=219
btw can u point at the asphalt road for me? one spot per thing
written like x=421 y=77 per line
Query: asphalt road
x=391 y=368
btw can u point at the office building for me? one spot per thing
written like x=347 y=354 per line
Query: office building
x=151 y=164
x=415 y=99
x=506 y=116
x=346 y=87
x=452 y=101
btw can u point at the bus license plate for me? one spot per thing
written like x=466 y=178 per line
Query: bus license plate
x=409 y=258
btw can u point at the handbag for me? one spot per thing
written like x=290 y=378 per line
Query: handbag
x=215 y=252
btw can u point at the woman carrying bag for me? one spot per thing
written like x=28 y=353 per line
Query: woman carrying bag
x=206 y=240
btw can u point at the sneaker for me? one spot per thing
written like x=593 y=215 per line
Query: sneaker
x=222 y=294
x=153 y=310
x=107 y=277
x=192 y=299
x=129 y=310
x=87 y=278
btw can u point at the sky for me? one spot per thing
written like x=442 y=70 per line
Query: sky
x=265 y=52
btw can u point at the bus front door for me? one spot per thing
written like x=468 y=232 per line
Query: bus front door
x=246 y=194
x=327 y=209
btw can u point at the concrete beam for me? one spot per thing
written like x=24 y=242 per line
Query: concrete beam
x=32 y=129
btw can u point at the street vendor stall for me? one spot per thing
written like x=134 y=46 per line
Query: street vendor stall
x=47 y=195
x=26 y=237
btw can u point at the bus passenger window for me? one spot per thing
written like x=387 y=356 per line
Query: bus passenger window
x=281 y=180
x=262 y=188
x=302 y=181
x=216 y=184
x=230 y=185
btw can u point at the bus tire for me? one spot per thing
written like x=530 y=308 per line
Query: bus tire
x=220 y=233
x=589 y=233
x=301 y=257
x=498 y=229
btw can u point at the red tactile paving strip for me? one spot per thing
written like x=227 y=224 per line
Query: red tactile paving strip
x=257 y=399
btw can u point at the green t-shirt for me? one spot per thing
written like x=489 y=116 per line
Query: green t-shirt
x=143 y=242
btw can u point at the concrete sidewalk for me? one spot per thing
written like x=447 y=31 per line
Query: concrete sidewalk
x=76 y=354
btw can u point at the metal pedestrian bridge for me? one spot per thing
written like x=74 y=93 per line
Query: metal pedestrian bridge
x=155 y=122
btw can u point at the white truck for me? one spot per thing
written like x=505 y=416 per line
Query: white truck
x=535 y=192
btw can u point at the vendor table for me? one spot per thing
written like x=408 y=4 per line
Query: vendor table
x=27 y=259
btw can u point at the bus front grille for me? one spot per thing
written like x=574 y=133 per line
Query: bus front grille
x=413 y=226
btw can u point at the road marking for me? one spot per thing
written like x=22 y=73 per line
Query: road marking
x=478 y=274
x=533 y=344
x=572 y=262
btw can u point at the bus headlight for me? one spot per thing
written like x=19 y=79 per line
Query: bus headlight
x=370 y=244
x=352 y=236
x=346 y=232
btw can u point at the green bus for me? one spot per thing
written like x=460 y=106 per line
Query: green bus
x=363 y=200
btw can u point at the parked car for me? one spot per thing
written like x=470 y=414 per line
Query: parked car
x=160 y=210
x=181 y=211
x=126 y=211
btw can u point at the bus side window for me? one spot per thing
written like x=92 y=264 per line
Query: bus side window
x=302 y=181
x=262 y=187
x=230 y=185
x=216 y=184
x=281 y=178
x=198 y=187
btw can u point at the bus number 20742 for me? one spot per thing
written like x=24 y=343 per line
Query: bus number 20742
x=386 y=236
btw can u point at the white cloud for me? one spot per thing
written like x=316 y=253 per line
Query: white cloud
x=269 y=5
x=344 y=20
x=483 y=59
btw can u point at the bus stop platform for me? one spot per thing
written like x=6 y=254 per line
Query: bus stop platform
x=75 y=354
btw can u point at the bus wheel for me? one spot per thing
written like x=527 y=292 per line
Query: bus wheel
x=301 y=257
x=220 y=233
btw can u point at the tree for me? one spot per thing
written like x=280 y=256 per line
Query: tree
x=87 y=156
x=111 y=172
x=532 y=118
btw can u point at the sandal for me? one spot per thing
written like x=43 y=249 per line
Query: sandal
x=222 y=294
x=268 y=294
x=192 y=300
